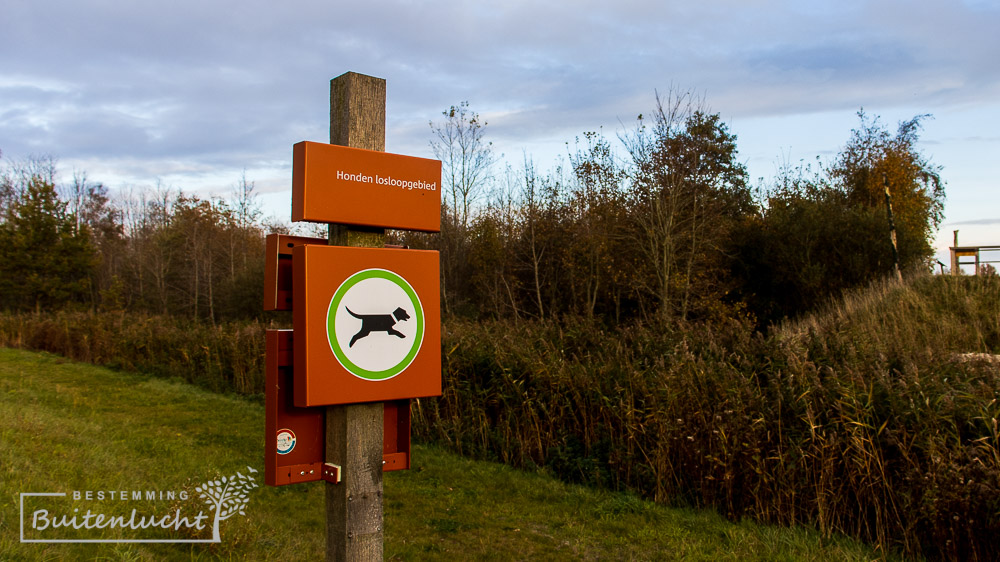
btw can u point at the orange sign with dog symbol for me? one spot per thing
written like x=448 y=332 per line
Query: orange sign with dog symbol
x=367 y=324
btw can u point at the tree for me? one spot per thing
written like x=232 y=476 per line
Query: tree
x=808 y=246
x=151 y=247
x=492 y=236
x=597 y=212
x=241 y=291
x=466 y=158
x=826 y=231
x=17 y=174
x=688 y=191
x=6 y=192
x=245 y=207
x=91 y=206
x=45 y=261
x=490 y=263
x=873 y=156
x=536 y=219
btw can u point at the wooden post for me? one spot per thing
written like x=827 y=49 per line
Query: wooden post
x=354 y=431
x=954 y=256
x=892 y=228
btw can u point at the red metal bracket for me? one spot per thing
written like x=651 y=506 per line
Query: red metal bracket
x=331 y=473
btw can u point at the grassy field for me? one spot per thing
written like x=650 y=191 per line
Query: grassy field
x=67 y=427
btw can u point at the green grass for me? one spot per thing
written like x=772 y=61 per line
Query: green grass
x=68 y=427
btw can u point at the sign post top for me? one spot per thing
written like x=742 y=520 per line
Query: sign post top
x=357 y=111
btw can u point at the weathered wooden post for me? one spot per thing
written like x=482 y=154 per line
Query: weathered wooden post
x=954 y=256
x=354 y=431
x=892 y=228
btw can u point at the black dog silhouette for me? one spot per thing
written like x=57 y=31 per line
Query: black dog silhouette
x=378 y=323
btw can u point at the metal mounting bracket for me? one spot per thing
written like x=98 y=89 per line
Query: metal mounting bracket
x=331 y=473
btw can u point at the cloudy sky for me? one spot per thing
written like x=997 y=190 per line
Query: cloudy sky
x=190 y=93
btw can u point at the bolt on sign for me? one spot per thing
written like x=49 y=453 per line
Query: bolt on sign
x=370 y=323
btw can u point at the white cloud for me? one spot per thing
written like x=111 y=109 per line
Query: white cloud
x=175 y=89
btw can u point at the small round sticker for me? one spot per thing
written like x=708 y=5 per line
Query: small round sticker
x=286 y=441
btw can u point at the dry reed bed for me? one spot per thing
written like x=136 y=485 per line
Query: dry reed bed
x=223 y=358
x=857 y=419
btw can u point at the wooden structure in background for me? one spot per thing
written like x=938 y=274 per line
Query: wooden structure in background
x=958 y=252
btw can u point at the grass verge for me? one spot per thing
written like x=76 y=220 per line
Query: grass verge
x=70 y=427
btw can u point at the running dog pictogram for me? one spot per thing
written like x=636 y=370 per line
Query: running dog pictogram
x=378 y=323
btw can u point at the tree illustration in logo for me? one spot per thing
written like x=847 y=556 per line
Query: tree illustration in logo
x=229 y=496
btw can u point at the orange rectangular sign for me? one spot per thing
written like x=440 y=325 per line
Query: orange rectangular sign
x=344 y=185
x=367 y=324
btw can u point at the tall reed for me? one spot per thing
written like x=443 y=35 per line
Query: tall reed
x=223 y=358
x=866 y=418
x=858 y=420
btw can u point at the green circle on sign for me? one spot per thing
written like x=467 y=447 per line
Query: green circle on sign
x=331 y=318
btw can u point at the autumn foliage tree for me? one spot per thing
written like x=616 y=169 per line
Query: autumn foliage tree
x=666 y=228
x=874 y=159
x=194 y=257
x=825 y=230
